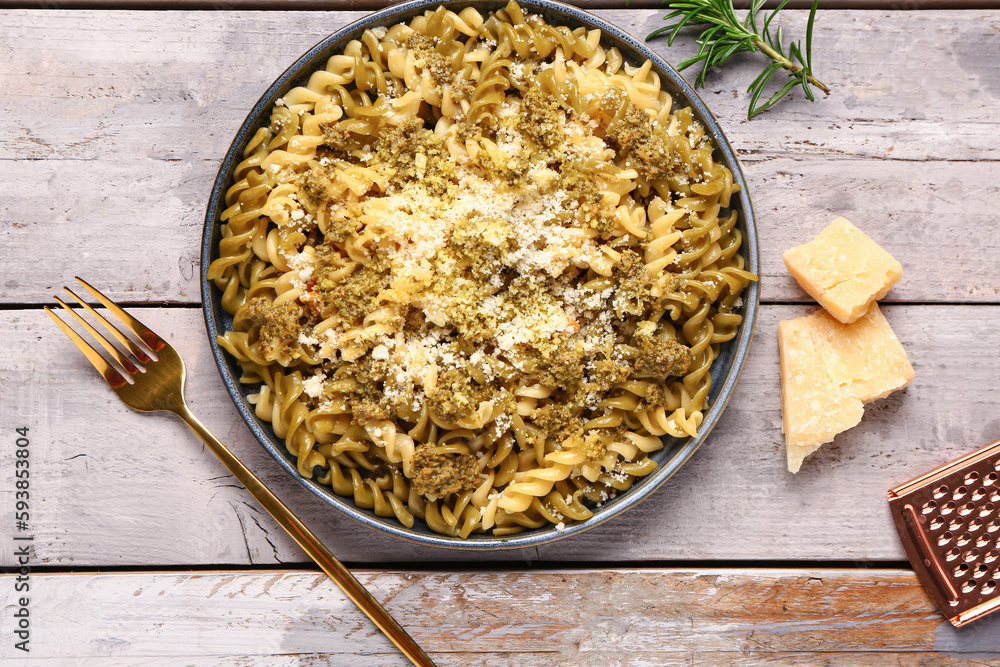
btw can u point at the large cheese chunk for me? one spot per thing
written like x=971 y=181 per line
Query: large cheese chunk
x=829 y=370
x=843 y=269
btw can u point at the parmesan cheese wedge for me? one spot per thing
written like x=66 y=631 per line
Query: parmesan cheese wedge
x=829 y=370
x=843 y=269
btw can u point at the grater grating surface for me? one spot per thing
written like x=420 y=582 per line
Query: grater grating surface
x=949 y=523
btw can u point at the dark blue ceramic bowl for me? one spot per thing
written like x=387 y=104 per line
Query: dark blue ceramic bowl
x=725 y=370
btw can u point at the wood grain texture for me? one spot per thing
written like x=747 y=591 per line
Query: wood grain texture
x=371 y=5
x=120 y=488
x=115 y=124
x=584 y=618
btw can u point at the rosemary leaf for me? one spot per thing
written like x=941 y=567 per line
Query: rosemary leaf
x=723 y=35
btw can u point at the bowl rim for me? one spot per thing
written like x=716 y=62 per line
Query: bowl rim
x=642 y=488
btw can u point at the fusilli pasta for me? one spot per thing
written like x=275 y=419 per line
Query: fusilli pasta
x=479 y=267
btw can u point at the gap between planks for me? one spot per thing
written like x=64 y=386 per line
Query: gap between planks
x=431 y=567
x=197 y=305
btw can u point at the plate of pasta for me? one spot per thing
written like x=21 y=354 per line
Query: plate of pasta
x=480 y=274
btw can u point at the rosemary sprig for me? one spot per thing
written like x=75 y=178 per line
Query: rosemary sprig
x=724 y=35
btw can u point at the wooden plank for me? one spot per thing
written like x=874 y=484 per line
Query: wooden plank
x=372 y=5
x=630 y=617
x=791 y=659
x=118 y=488
x=130 y=81
x=910 y=211
x=121 y=159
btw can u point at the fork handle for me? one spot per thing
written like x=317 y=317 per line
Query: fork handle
x=311 y=544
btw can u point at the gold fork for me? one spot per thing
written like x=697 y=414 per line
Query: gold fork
x=161 y=387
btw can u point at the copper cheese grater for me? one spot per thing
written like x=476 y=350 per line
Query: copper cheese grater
x=949 y=523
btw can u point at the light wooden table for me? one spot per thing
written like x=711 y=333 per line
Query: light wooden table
x=146 y=552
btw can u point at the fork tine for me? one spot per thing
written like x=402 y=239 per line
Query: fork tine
x=126 y=363
x=136 y=351
x=154 y=342
x=110 y=373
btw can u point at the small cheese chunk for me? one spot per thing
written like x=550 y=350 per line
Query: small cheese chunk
x=813 y=408
x=829 y=370
x=843 y=269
